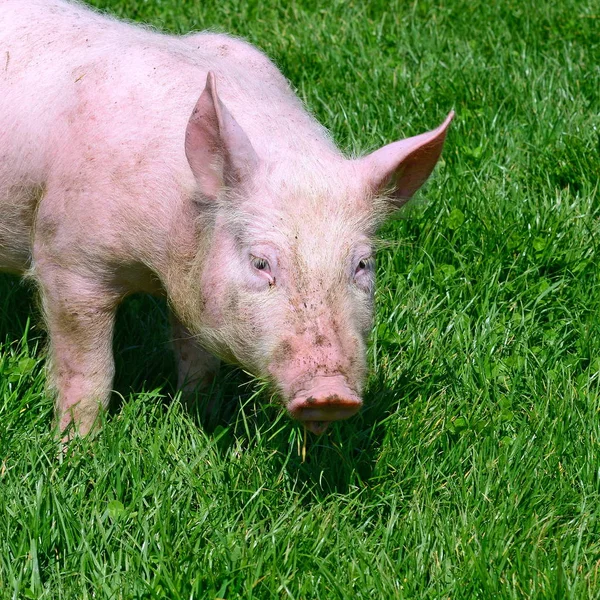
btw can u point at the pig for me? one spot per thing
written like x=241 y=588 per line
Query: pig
x=186 y=167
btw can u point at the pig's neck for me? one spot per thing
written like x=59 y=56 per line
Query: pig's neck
x=189 y=241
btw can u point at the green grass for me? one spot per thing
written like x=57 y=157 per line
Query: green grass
x=474 y=471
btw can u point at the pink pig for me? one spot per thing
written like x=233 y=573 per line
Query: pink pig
x=118 y=174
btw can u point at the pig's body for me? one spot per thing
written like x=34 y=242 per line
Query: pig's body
x=93 y=115
x=109 y=187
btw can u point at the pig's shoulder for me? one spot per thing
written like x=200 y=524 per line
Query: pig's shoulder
x=221 y=48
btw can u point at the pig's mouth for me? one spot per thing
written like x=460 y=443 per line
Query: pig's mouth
x=328 y=399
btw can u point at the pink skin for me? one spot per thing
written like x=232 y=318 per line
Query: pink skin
x=118 y=174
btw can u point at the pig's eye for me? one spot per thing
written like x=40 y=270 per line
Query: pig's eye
x=260 y=264
x=364 y=264
x=364 y=275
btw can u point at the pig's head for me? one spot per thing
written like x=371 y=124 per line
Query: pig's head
x=286 y=279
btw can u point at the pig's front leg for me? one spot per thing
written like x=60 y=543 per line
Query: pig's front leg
x=195 y=366
x=80 y=316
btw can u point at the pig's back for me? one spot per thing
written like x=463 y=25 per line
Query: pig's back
x=63 y=61
x=65 y=71
x=89 y=102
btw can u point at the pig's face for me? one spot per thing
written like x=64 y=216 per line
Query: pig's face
x=287 y=279
x=289 y=286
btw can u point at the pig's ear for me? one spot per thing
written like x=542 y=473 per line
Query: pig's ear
x=404 y=166
x=218 y=151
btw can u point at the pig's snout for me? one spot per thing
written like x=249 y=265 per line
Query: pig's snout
x=327 y=399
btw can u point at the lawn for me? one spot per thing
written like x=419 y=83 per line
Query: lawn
x=474 y=469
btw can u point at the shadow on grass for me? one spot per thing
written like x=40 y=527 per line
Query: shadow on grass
x=17 y=306
x=145 y=361
x=143 y=355
x=345 y=458
x=340 y=460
